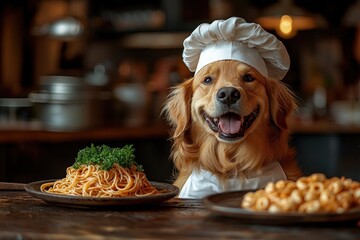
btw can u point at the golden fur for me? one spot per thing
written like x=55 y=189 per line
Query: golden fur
x=196 y=146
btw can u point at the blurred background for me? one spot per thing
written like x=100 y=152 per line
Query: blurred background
x=76 y=72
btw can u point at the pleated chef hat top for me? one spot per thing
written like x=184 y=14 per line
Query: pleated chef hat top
x=235 y=39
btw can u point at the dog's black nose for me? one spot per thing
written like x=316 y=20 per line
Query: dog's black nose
x=228 y=95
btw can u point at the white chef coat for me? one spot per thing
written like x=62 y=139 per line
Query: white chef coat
x=202 y=183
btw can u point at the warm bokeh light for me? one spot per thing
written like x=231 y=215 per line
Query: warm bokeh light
x=286 y=25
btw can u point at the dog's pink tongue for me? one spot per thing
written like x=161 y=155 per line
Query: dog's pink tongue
x=229 y=124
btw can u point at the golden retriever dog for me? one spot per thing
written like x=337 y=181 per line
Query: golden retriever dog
x=229 y=120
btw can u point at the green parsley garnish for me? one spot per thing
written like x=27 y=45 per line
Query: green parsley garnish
x=106 y=157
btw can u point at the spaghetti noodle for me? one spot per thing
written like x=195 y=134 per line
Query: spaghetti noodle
x=90 y=180
x=86 y=178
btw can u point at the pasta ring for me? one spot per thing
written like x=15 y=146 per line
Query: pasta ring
x=262 y=203
x=316 y=187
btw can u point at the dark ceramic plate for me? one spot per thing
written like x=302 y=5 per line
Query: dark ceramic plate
x=228 y=204
x=169 y=192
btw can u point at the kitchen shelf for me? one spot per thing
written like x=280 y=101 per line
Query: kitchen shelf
x=37 y=134
x=323 y=127
x=106 y=133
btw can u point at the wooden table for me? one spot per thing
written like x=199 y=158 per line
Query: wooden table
x=25 y=217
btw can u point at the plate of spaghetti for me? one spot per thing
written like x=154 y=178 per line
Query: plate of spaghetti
x=103 y=176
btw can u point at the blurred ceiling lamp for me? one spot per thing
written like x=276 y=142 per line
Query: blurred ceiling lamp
x=65 y=28
x=287 y=19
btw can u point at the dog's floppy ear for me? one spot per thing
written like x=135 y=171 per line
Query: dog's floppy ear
x=282 y=102
x=178 y=106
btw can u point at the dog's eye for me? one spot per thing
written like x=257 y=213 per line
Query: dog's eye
x=248 y=78
x=207 y=80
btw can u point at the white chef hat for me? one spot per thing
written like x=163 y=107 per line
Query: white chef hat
x=235 y=39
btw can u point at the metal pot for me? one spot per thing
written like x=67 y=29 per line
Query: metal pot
x=64 y=104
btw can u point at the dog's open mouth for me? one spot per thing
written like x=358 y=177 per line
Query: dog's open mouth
x=231 y=126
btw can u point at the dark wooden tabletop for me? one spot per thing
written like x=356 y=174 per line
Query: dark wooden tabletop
x=25 y=217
